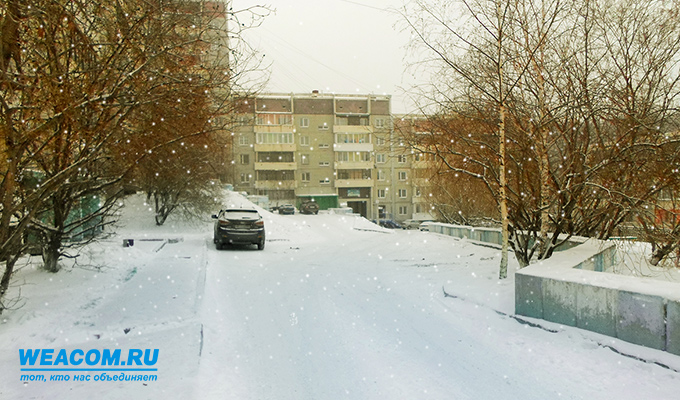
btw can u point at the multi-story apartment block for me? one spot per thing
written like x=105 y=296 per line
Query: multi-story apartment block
x=339 y=150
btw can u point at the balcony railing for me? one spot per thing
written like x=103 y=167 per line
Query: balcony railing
x=343 y=183
x=275 y=166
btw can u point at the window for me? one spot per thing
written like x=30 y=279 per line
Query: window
x=325 y=181
x=324 y=163
x=304 y=140
x=402 y=193
x=353 y=120
x=380 y=122
x=269 y=175
x=403 y=210
x=324 y=126
x=324 y=146
x=417 y=193
x=352 y=138
x=243 y=140
x=244 y=159
x=380 y=158
x=245 y=178
x=274 y=119
x=381 y=175
x=403 y=175
x=381 y=193
x=304 y=122
x=353 y=156
x=305 y=176
x=243 y=120
x=355 y=174
x=305 y=159
x=380 y=141
x=274 y=156
x=401 y=159
x=275 y=138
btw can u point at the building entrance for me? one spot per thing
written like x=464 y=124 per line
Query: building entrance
x=358 y=207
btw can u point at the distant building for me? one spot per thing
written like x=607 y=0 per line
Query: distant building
x=338 y=149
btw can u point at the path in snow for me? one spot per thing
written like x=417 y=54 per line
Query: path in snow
x=334 y=307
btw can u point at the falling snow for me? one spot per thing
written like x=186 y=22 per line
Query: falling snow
x=334 y=307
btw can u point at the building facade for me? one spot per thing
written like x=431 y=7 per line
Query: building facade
x=339 y=150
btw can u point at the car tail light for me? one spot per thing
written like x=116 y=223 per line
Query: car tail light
x=259 y=223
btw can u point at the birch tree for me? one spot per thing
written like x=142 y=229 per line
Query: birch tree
x=478 y=53
x=590 y=111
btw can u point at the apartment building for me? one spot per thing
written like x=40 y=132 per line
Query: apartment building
x=339 y=150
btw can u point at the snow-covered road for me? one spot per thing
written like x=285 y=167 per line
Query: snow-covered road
x=334 y=307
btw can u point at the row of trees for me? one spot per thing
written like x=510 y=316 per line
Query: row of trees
x=563 y=114
x=97 y=95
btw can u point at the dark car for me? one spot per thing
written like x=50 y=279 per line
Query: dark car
x=388 y=223
x=238 y=226
x=286 y=209
x=309 y=207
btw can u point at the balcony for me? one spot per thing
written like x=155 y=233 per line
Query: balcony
x=353 y=146
x=275 y=166
x=274 y=128
x=276 y=185
x=344 y=183
x=352 y=129
x=353 y=165
x=422 y=164
x=274 y=147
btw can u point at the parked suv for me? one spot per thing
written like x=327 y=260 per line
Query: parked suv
x=286 y=209
x=238 y=226
x=309 y=207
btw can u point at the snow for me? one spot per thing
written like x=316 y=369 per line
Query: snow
x=334 y=307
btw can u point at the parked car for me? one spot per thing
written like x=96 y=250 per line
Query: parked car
x=238 y=226
x=425 y=226
x=390 y=224
x=309 y=207
x=414 y=223
x=286 y=209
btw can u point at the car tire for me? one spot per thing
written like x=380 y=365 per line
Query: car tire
x=260 y=245
x=218 y=245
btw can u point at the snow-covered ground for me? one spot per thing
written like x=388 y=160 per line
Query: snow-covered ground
x=334 y=307
x=634 y=261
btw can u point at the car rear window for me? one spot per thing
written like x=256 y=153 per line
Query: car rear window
x=241 y=214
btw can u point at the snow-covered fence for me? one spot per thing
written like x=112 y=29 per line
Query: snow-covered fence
x=570 y=289
x=486 y=235
x=491 y=236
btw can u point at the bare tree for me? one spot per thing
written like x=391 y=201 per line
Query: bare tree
x=478 y=53
x=73 y=105
x=590 y=91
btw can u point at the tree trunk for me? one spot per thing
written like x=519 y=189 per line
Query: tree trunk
x=503 y=270
x=503 y=273
x=51 y=250
x=6 y=279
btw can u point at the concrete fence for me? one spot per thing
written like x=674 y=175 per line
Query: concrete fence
x=570 y=289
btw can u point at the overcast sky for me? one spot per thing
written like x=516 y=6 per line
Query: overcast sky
x=334 y=46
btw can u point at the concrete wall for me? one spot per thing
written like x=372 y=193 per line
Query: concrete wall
x=570 y=289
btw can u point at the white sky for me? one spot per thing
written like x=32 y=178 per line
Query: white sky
x=334 y=46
